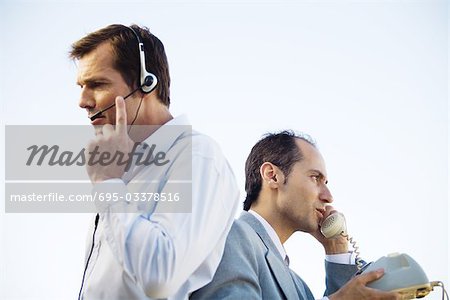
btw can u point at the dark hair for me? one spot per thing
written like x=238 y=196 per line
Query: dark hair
x=126 y=55
x=279 y=149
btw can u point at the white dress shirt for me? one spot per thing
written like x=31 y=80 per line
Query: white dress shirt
x=343 y=258
x=153 y=253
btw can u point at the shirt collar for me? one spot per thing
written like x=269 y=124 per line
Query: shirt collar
x=272 y=234
x=164 y=137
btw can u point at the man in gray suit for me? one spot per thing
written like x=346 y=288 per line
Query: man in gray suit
x=286 y=185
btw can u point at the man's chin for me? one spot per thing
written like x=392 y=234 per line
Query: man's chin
x=98 y=129
x=309 y=230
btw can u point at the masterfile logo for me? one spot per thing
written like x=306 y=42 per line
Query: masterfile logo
x=46 y=170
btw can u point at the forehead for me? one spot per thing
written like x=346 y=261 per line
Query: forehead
x=312 y=159
x=98 y=62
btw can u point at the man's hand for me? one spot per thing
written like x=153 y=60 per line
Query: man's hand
x=333 y=245
x=108 y=143
x=356 y=289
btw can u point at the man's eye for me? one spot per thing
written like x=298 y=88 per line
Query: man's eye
x=316 y=177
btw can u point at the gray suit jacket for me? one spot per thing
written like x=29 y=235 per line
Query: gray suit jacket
x=252 y=268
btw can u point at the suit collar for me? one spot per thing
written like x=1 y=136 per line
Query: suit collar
x=272 y=234
x=280 y=271
x=260 y=230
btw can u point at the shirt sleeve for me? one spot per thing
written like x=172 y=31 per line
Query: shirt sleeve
x=341 y=258
x=161 y=250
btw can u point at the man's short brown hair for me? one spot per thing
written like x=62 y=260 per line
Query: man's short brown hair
x=279 y=149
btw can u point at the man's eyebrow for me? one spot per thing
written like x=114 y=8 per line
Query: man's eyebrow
x=92 y=80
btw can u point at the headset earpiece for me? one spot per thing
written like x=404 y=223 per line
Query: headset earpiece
x=149 y=83
x=148 y=80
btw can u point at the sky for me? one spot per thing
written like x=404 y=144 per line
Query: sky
x=368 y=80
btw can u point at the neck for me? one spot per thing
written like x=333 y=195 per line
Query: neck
x=282 y=230
x=151 y=118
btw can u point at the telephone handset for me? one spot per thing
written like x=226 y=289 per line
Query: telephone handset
x=333 y=226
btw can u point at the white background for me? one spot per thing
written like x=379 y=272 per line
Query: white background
x=367 y=79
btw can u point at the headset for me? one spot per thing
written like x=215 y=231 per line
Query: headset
x=148 y=81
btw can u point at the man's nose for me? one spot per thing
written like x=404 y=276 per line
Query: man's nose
x=86 y=99
x=325 y=194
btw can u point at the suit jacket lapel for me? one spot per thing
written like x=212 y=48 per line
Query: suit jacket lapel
x=279 y=269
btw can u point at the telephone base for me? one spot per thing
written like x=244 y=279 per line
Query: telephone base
x=401 y=274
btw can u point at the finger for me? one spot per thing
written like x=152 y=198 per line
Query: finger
x=91 y=145
x=378 y=294
x=328 y=211
x=392 y=295
x=371 y=276
x=121 y=115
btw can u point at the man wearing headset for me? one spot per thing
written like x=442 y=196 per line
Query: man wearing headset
x=146 y=250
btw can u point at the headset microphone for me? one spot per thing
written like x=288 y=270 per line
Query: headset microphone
x=148 y=81
x=99 y=114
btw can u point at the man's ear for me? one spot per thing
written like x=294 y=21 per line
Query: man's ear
x=271 y=175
